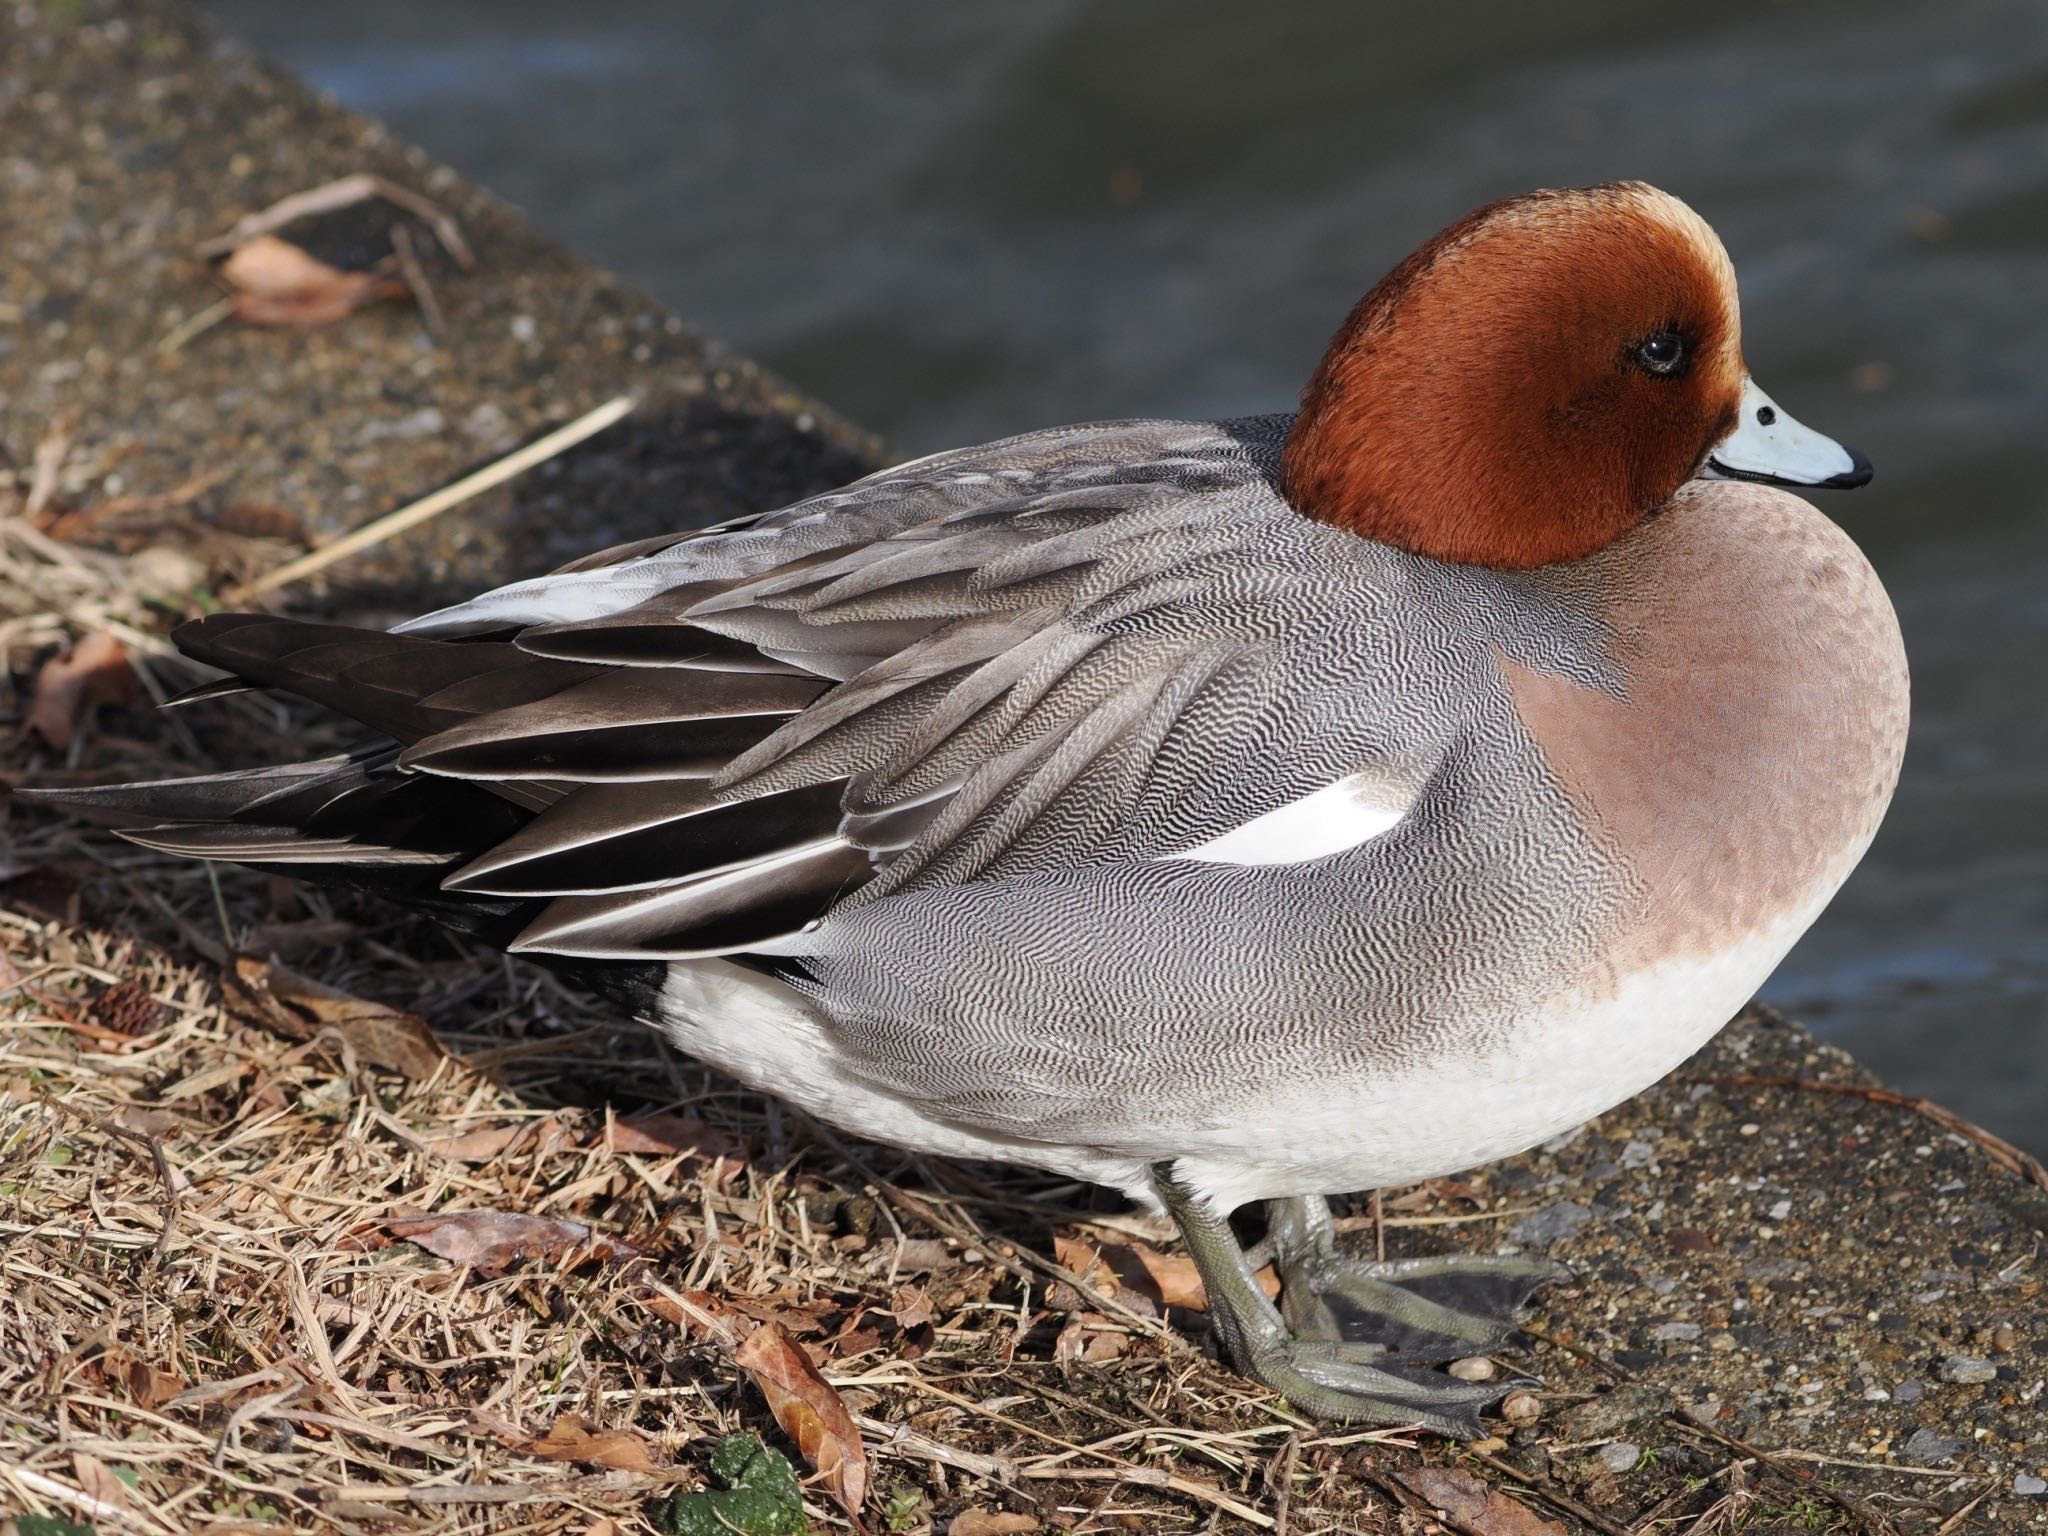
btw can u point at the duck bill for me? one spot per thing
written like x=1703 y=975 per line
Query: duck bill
x=1770 y=447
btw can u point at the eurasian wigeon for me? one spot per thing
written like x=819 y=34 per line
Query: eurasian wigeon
x=1220 y=811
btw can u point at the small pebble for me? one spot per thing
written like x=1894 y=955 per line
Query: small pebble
x=1968 y=1370
x=1620 y=1455
x=1472 y=1368
x=1720 y=1343
x=2003 y=1338
x=2028 y=1486
x=1751 y=1128
x=1522 y=1408
x=1924 y=1447
x=1909 y=1391
x=1683 y=1333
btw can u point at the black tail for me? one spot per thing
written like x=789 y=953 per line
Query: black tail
x=353 y=821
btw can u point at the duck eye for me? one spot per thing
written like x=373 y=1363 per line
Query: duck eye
x=1663 y=354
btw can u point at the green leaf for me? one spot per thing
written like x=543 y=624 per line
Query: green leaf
x=755 y=1493
x=904 y=1509
x=49 y=1525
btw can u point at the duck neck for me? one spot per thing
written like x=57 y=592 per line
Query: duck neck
x=1394 y=454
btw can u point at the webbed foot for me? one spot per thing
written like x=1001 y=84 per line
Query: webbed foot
x=1355 y=1335
x=1418 y=1311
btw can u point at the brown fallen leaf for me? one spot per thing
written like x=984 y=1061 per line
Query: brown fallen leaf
x=278 y=283
x=1092 y=1339
x=991 y=1522
x=1472 y=1507
x=97 y=1482
x=145 y=1384
x=298 y=1008
x=667 y=1135
x=540 y=1136
x=1135 y=1269
x=261 y=520
x=808 y=1408
x=94 y=671
x=491 y=1241
x=574 y=1438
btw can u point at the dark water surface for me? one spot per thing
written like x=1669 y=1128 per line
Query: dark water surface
x=956 y=219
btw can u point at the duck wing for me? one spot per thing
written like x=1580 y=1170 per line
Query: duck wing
x=978 y=664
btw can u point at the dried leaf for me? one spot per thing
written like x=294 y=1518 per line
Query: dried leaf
x=668 y=1135
x=261 y=520
x=1472 y=1507
x=1128 y=1270
x=992 y=1522
x=540 y=1136
x=490 y=1241
x=573 y=1438
x=146 y=1386
x=1090 y=1338
x=94 y=671
x=97 y=1481
x=809 y=1410
x=297 y=1008
x=277 y=283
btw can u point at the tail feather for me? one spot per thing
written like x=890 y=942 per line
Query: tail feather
x=402 y=686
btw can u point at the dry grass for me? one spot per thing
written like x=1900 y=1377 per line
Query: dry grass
x=206 y=1325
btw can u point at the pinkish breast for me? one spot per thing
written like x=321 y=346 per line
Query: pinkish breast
x=1753 y=755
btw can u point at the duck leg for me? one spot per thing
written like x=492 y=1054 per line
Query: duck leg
x=1418 y=1311
x=1356 y=1381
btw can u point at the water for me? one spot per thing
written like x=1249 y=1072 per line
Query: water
x=957 y=220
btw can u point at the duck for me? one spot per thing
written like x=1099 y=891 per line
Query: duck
x=1223 y=812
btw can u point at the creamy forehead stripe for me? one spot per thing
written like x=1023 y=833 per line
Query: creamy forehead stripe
x=1330 y=820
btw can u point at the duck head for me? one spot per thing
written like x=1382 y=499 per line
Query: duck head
x=1538 y=379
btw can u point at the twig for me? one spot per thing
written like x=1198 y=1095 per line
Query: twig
x=155 y=1149
x=1280 y=1478
x=194 y=326
x=410 y=516
x=1155 y=1477
x=344 y=193
x=51 y=452
x=1663 y=1507
x=901 y=1441
x=1963 y=1514
x=1591 y=1357
x=64 y=1493
x=1550 y=1493
x=1866 y=1518
x=415 y=277
x=1997 y=1148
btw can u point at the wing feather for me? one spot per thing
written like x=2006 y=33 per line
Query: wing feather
x=970 y=666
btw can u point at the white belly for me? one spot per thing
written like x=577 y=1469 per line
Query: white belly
x=1554 y=1070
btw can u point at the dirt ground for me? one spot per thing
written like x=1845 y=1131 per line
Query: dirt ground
x=249 y=1135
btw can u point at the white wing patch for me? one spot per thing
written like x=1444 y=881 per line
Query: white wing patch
x=1329 y=820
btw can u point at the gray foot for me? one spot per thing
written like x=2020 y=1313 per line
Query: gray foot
x=1415 y=1311
x=1318 y=1365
